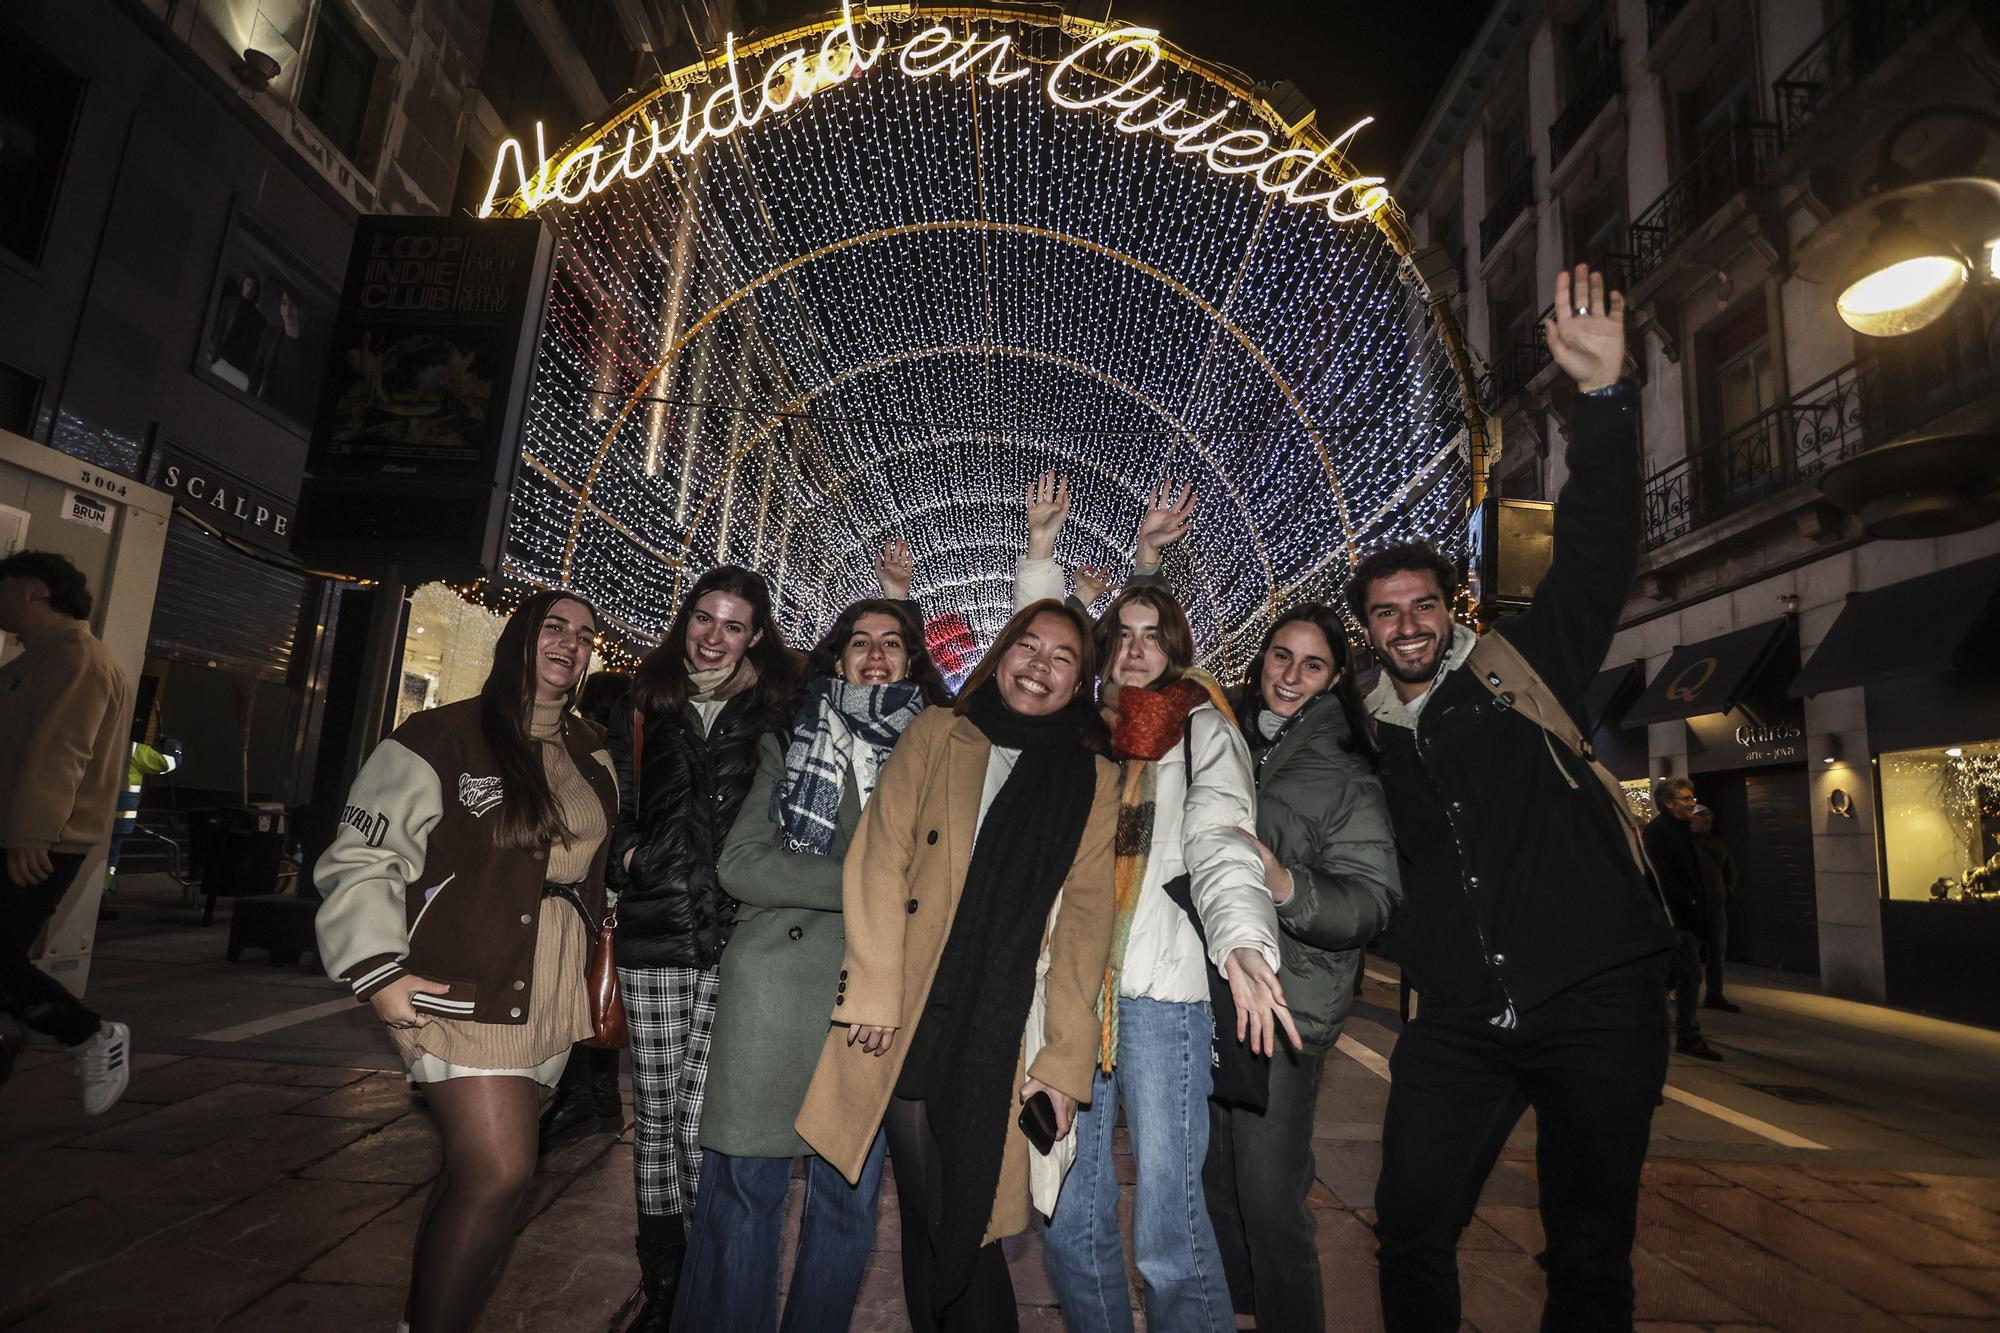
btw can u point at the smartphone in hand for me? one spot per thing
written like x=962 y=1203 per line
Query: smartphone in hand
x=1038 y=1122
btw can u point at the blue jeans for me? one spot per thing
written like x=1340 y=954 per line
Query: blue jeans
x=729 y=1280
x=1163 y=1076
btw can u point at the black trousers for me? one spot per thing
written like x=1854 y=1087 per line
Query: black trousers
x=1591 y=1062
x=987 y=1304
x=1684 y=977
x=27 y=992
x=1258 y=1171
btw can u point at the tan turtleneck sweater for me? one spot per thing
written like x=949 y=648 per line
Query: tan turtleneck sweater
x=560 y=1013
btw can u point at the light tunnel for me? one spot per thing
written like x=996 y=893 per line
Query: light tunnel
x=869 y=277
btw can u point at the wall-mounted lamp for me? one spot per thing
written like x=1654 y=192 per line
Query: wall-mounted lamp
x=1830 y=749
x=257 y=70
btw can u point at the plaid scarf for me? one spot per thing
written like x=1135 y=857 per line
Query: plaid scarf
x=1146 y=725
x=806 y=805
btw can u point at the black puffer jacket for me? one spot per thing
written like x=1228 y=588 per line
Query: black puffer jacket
x=672 y=911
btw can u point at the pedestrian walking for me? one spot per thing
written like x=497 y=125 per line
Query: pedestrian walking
x=1719 y=881
x=1327 y=860
x=473 y=847
x=63 y=750
x=1682 y=872
x=983 y=861
x=1536 y=945
x=866 y=681
x=686 y=753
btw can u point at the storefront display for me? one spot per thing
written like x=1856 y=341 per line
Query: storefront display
x=447 y=650
x=1941 y=823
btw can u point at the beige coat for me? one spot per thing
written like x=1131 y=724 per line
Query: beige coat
x=903 y=878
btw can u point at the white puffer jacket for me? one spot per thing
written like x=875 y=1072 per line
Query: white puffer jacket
x=1204 y=790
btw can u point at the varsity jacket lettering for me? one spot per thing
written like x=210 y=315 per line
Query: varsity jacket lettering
x=414 y=883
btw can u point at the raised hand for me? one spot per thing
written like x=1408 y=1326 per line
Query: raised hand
x=894 y=569
x=1587 y=334
x=1048 y=507
x=1092 y=582
x=1165 y=521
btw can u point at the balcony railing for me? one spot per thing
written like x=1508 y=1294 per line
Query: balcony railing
x=1514 y=197
x=1741 y=157
x=1597 y=89
x=1820 y=426
x=1659 y=13
x=1515 y=365
x=1900 y=390
x=1844 y=54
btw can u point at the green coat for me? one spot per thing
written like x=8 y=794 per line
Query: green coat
x=1321 y=811
x=779 y=972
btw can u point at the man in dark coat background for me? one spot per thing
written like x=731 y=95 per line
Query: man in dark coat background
x=1680 y=867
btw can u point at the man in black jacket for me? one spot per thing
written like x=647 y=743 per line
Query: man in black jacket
x=1682 y=872
x=1535 y=944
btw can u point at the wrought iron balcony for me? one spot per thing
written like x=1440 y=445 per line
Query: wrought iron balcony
x=1741 y=157
x=1900 y=390
x=1659 y=13
x=1591 y=96
x=1512 y=200
x=1851 y=46
x=1822 y=425
x=1515 y=365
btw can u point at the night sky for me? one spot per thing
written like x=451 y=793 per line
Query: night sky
x=1350 y=59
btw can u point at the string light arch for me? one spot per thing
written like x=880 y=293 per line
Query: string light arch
x=879 y=303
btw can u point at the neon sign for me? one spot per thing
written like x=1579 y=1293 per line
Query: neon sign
x=1113 y=72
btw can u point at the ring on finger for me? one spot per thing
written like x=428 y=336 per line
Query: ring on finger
x=1583 y=310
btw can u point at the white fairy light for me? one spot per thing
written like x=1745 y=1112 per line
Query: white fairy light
x=880 y=313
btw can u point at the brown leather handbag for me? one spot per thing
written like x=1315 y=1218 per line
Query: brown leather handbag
x=607 y=1006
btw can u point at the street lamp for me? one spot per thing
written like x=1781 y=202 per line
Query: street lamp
x=1904 y=279
x=1896 y=275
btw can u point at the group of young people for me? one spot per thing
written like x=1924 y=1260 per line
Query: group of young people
x=858 y=916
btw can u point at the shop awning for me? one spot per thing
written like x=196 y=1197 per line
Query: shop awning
x=1610 y=694
x=1710 y=676
x=1935 y=622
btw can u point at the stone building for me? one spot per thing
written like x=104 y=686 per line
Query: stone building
x=181 y=180
x=1688 y=147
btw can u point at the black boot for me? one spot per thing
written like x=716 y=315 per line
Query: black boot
x=604 y=1087
x=662 y=1247
x=573 y=1113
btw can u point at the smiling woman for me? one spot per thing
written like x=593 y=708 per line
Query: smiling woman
x=474 y=849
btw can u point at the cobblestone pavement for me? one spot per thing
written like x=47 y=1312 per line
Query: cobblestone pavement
x=1839 y=1171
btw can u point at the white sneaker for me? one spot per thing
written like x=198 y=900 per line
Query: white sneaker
x=104 y=1064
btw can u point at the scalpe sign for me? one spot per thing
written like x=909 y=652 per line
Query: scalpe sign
x=1116 y=72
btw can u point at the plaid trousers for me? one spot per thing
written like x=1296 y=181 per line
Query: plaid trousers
x=670 y=1014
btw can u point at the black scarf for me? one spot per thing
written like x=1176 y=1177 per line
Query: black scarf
x=968 y=1039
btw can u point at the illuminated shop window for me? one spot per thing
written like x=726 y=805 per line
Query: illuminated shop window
x=1639 y=796
x=447 y=651
x=1941 y=822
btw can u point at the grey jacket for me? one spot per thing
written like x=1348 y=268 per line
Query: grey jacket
x=1321 y=811
x=776 y=975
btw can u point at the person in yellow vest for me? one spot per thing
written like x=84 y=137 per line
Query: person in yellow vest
x=62 y=751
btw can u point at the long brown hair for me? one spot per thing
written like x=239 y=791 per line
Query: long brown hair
x=1176 y=639
x=1095 y=735
x=661 y=683
x=824 y=659
x=529 y=815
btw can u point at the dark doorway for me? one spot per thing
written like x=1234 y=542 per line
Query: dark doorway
x=1765 y=816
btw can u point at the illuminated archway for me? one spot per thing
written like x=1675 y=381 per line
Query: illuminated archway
x=866 y=278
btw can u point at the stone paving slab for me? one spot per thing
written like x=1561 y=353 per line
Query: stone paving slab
x=276 y=1182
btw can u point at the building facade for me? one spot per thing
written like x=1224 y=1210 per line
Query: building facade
x=181 y=182
x=1687 y=148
